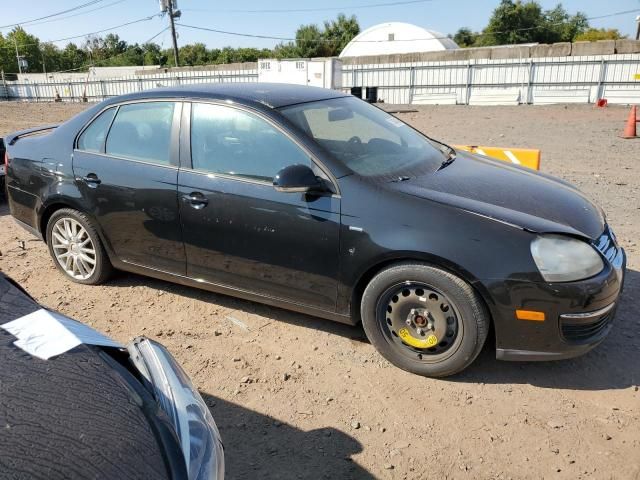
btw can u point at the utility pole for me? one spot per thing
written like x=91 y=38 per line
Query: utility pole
x=173 y=14
x=15 y=42
x=638 y=31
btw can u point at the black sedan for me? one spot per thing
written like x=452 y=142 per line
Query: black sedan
x=73 y=404
x=313 y=200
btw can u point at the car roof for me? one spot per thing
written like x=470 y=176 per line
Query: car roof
x=272 y=95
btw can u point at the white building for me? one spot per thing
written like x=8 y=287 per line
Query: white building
x=396 y=37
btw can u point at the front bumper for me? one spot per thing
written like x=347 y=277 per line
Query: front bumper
x=578 y=315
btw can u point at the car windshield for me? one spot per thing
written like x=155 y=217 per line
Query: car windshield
x=369 y=141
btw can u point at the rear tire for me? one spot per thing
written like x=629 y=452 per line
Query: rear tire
x=76 y=248
x=424 y=320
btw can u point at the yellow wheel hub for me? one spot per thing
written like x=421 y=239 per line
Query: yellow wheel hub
x=428 y=342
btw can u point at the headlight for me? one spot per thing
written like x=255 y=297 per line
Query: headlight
x=565 y=259
x=198 y=433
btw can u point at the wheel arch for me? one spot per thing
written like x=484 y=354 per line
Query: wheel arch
x=60 y=203
x=48 y=212
x=418 y=257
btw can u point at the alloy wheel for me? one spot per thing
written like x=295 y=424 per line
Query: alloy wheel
x=73 y=248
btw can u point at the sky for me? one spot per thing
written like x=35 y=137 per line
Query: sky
x=445 y=16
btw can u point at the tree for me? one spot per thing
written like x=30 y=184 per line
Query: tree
x=559 y=26
x=7 y=55
x=594 y=34
x=465 y=37
x=73 y=57
x=51 y=57
x=153 y=55
x=194 y=54
x=312 y=41
x=514 y=22
x=28 y=47
x=339 y=32
x=110 y=50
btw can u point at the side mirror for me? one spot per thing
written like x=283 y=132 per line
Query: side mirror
x=297 y=178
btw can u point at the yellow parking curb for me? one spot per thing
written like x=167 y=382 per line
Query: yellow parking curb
x=525 y=157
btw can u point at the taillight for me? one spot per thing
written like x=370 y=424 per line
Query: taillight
x=6 y=162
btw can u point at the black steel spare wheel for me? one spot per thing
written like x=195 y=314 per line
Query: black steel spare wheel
x=424 y=319
x=420 y=321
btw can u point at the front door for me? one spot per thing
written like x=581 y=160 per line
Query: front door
x=126 y=165
x=238 y=230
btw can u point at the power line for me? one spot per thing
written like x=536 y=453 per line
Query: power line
x=224 y=32
x=327 y=40
x=615 y=14
x=77 y=14
x=86 y=4
x=321 y=9
x=144 y=19
x=93 y=64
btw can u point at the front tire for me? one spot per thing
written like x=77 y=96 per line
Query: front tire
x=424 y=320
x=76 y=248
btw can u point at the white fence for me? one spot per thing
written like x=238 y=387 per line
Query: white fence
x=467 y=82
x=98 y=90
x=503 y=82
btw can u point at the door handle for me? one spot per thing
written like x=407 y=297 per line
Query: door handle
x=92 y=180
x=196 y=199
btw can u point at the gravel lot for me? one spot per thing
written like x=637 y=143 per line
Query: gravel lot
x=299 y=397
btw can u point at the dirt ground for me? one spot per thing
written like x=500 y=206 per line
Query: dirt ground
x=299 y=397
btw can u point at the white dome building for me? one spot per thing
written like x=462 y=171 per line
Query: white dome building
x=396 y=37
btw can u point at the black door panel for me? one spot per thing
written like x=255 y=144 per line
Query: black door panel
x=131 y=186
x=251 y=237
x=136 y=207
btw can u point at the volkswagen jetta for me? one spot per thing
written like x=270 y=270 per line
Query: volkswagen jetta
x=313 y=200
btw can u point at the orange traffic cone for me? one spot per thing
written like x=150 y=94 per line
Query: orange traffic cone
x=630 y=129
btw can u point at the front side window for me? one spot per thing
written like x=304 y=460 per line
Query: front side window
x=230 y=141
x=142 y=131
x=364 y=138
x=92 y=139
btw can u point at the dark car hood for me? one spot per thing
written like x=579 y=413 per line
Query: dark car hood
x=508 y=193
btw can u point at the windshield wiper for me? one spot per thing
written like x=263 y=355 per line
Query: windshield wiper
x=451 y=157
x=402 y=178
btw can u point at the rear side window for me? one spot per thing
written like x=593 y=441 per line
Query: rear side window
x=142 y=131
x=92 y=139
x=229 y=141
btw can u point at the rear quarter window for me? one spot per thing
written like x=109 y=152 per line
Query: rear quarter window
x=94 y=136
x=142 y=131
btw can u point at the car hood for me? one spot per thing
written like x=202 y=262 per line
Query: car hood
x=516 y=195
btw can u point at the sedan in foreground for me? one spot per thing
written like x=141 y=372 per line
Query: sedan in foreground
x=313 y=200
x=75 y=404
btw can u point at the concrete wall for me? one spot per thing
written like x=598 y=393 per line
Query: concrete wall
x=202 y=68
x=578 y=49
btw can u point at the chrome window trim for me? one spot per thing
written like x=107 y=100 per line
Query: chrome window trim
x=127 y=159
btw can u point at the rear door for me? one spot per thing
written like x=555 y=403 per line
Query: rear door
x=126 y=166
x=238 y=230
